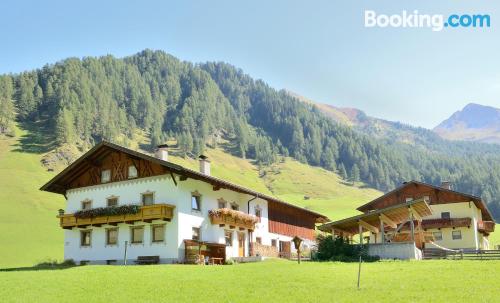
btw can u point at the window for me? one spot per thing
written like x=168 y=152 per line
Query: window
x=137 y=235
x=235 y=206
x=132 y=172
x=445 y=215
x=427 y=198
x=86 y=205
x=158 y=233
x=258 y=240
x=408 y=199
x=196 y=234
x=147 y=199
x=456 y=235
x=258 y=213
x=105 y=176
x=195 y=202
x=438 y=236
x=273 y=242
x=222 y=203
x=112 y=201
x=228 y=234
x=111 y=236
x=85 y=237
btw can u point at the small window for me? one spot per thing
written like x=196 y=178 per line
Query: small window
x=111 y=236
x=137 y=235
x=86 y=205
x=113 y=201
x=438 y=236
x=273 y=242
x=408 y=199
x=235 y=206
x=258 y=213
x=258 y=240
x=196 y=202
x=106 y=176
x=456 y=234
x=132 y=172
x=445 y=215
x=228 y=234
x=222 y=203
x=85 y=237
x=158 y=233
x=147 y=199
x=196 y=234
x=427 y=199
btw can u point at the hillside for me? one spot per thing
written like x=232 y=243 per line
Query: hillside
x=29 y=216
x=474 y=122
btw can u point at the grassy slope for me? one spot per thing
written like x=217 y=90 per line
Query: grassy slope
x=430 y=281
x=27 y=215
x=291 y=181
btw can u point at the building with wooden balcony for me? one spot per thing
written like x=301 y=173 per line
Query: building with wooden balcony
x=127 y=206
x=445 y=219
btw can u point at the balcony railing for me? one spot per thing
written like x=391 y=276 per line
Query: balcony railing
x=233 y=218
x=146 y=213
x=486 y=226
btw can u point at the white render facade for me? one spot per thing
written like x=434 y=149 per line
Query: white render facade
x=170 y=248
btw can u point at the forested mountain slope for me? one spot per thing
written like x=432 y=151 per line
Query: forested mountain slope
x=152 y=97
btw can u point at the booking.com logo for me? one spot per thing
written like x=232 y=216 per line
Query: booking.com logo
x=436 y=22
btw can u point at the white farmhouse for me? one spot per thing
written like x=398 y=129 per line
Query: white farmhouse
x=123 y=205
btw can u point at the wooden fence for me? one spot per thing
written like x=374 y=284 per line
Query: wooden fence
x=435 y=253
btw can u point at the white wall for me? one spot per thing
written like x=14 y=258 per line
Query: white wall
x=180 y=228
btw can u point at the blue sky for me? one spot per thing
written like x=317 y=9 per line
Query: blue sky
x=319 y=49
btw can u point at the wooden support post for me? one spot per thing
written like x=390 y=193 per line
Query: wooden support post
x=382 y=232
x=360 y=234
x=412 y=225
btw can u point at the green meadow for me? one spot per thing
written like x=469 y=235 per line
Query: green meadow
x=269 y=281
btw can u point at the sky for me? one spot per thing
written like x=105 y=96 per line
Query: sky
x=318 y=49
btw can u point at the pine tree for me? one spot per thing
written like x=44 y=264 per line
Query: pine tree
x=343 y=172
x=7 y=110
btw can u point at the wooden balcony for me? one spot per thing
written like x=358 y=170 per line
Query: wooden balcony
x=147 y=213
x=233 y=218
x=486 y=226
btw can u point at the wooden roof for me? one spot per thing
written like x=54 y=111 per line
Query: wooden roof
x=372 y=205
x=396 y=213
x=59 y=183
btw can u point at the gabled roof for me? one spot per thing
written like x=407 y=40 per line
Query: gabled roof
x=477 y=200
x=101 y=150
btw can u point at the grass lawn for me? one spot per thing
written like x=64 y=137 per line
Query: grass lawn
x=270 y=281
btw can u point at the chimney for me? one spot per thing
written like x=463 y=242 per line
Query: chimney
x=204 y=165
x=446 y=185
x=162 y=152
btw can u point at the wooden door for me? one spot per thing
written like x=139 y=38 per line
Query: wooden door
x=285 y=249
x=241 y=244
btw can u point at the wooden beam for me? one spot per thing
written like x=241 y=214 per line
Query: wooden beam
x=347 y=233
x=216 y=188
x=383 y=218
x=368 y=226
x=183 y=178
x=415 y=213
x=173 y=178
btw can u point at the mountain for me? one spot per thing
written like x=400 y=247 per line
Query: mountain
x=474 y=122
x=152 y=97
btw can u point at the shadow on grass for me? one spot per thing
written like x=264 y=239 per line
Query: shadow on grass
x=38 y=139
x=36 y=268
x=49 y=265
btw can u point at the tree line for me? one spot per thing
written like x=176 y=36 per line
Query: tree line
x=84 y=101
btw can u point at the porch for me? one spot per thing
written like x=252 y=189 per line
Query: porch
x=384 y=231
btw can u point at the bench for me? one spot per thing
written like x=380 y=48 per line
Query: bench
x=144 y=260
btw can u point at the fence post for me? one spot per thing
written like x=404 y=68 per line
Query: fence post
x=125 y=254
